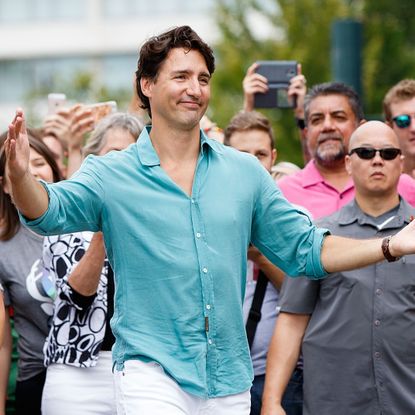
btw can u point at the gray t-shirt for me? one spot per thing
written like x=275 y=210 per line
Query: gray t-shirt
x=25 y=290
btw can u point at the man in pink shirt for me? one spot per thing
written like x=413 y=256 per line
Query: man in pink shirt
x=332 y=112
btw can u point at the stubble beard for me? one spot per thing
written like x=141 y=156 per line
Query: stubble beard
x=331 y=156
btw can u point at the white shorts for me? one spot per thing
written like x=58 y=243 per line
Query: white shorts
x=73 y=390
x=145 y=389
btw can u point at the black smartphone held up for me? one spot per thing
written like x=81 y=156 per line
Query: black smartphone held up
x=278 y=74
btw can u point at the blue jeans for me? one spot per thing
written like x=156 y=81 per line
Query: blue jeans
x=292 y=401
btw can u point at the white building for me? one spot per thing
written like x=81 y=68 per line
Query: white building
x=44 y=41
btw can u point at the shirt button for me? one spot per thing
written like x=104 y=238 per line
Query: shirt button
x=378 y=291
x=198 y=235
x=377 y=355
x=193 y=201
x=377 y=323
x=210 y=341
x=205 y=270
x=208 y=306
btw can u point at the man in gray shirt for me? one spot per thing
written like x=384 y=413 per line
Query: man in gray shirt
x=356 y=327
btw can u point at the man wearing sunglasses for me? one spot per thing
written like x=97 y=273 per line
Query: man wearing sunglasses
x=399 y=110
x=332 y=113
x=354 y=327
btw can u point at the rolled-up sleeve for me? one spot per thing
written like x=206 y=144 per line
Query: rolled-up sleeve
x=74 y=205
x=286 y=235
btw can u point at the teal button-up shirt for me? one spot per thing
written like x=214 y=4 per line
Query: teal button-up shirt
x=180 y=261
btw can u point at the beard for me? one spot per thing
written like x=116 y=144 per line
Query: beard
x=330 y=151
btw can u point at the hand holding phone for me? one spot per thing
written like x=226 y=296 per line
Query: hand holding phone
x=56 y=101
x=278 y=75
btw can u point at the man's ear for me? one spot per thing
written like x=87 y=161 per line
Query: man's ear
x=348 y=164
x=274 y=155
x=146 y=84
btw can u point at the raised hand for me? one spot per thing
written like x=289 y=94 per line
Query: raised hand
x=298 y=89
x=17 y=149
x=69 y=125
x=253 y=83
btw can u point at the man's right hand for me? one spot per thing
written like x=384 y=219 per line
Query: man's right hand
x=29 y=196
x=17 y=149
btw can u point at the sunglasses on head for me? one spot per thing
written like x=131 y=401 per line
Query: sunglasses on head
x=402 y=121
x=367 y=153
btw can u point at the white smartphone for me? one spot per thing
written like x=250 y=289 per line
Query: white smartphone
x=55 y=102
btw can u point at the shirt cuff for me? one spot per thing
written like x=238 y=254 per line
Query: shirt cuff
x=80 y=300
x=314 y=268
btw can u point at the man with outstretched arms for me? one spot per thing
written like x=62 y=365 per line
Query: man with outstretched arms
x=180 y=266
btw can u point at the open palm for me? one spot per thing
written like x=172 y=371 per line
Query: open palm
x=17 y=148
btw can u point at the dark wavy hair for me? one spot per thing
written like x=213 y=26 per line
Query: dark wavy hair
x=334 y=88
x=9 y=219
x=155 y=50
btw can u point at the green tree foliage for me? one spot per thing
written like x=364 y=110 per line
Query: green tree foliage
x=300 y=30
x=389 y=53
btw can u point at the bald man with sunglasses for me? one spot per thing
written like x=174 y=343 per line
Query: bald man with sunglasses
x=399 y=111
x=355 y=328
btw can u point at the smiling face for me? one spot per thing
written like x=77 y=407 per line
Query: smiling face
x=180 y=93
x=39 y=167
x=330 y=124
x=374 y=177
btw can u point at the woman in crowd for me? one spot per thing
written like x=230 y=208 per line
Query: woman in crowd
x=24 y=286
x=77 y=350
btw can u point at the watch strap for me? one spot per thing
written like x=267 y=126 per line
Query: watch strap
x=386 y=252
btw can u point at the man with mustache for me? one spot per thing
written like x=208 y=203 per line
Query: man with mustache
x=355 y=328
x=332 y=112
x=179 y=265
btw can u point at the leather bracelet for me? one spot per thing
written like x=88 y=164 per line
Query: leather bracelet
x=385 y=249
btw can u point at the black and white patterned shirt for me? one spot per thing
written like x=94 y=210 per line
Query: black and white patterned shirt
x=78 y=327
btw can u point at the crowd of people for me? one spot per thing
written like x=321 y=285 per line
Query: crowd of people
x=154 y=266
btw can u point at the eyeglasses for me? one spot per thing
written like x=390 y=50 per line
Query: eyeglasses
x=402 y=121
x=367 y=153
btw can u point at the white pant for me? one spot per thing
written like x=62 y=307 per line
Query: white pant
x=145 y=389
x=73 y=390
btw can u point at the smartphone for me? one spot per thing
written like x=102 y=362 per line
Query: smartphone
x=101 y=110
x=56 y=101
x=278 y=74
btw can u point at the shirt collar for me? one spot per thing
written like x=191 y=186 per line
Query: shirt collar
x=352 y=213
x=149 y=157
x=311 y=176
